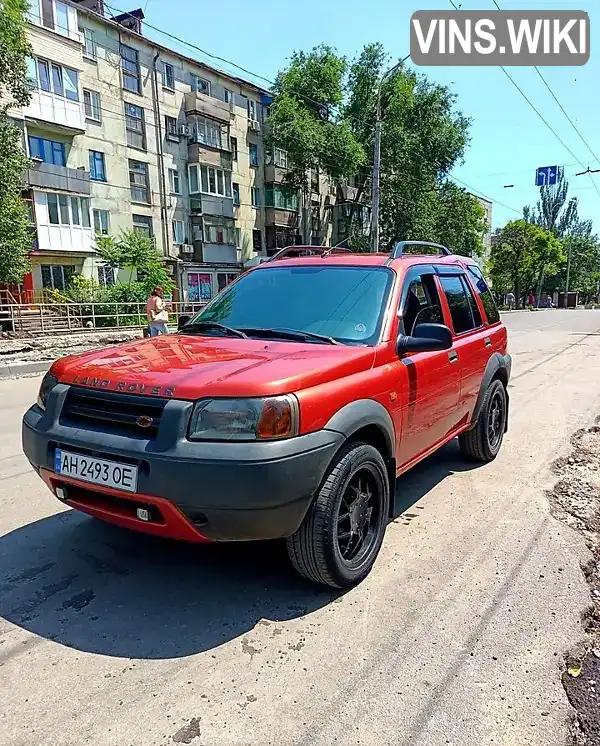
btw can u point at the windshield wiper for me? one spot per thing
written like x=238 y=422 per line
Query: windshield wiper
x=291 y=334
x=206 y=325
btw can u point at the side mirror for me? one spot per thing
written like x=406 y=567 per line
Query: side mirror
x=182 y=321
x=425 y=338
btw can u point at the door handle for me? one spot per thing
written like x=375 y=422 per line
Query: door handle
x=488 y=342
x=453 y=356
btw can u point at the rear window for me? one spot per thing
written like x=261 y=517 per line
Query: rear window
x=481 y=286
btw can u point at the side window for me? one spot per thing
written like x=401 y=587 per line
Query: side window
x=481 y=286
x=422 y=304
x=463 y=307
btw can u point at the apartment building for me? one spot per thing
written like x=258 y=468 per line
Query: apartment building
x=126 y=134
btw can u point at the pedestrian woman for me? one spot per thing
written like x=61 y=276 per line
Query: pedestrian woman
x=156 y=312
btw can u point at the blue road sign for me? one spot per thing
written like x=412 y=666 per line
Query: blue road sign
x=547 y=175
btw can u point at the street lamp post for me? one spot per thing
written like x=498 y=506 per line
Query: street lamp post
x=377 y=159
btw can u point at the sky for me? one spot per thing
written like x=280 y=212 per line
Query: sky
x=507 y=138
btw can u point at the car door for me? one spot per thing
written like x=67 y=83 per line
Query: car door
x=472 y=341
x=431 y=399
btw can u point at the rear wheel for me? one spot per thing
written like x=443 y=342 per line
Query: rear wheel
x=482 y=442
x=340 y=538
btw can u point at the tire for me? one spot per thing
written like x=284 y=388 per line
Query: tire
x=321 y=549
x=480 y=443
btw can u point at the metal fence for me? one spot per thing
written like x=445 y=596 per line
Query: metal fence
x=64 y=317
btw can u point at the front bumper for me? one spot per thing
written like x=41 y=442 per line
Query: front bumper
x=221 y=491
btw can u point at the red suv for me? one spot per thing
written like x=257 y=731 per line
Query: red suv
x=286 y=408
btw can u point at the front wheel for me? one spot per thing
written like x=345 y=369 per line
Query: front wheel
x=340 y=537
x=482 y=442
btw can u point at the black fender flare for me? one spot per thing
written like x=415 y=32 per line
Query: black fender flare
x=498 y=366
x=361 y=413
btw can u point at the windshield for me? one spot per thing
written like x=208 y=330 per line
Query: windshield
x=345 y=303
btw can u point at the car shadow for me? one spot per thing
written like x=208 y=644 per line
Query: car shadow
x=105 y=590
x=422 y=478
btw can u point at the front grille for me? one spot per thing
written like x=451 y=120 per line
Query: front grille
x=113 y=412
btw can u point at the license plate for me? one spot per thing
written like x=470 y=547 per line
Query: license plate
x=96 y=470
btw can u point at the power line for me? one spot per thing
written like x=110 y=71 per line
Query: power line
x=536 y=68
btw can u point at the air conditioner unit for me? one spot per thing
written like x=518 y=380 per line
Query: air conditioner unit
x=184 y=130
x=254 y=125
x=186 y=248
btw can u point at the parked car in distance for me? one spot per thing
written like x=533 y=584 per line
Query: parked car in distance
x=286 y=408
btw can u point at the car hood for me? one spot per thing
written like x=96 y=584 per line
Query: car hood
x=191 y=367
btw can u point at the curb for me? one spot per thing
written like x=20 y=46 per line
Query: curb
x=24 y=369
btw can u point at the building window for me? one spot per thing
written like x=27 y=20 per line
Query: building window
x=266 y=112
x=51 y=14
x=139 y=182
x=209 y=180
x=279 y=238
x=49 y=151
x=56 y=276
x=89 y=43
x=233 y=145
x=174 y=182
x=106 y=275
x=62 y=81
x=143 y=224
x=255 y=197
x=219 y=230
x=171 y=128
x=227 y=95
x=91 y=105
x=135 y=126
x=253 y=148
x=65 y=210
x=199 y=287
x=97 y=166
x=280 y=158
x=252 y=109
x=236 y=193
x=168 y=76
x=178 y=227
x=130 y=69
x=201 y=85
x=257 y=239
x=224 y=279
x=281 y=197
x=208 y=132
x=101 y=222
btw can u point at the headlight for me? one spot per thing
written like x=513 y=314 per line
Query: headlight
x=48 y=383
x=245 y=419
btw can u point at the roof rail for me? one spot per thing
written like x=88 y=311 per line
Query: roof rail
x=398 y=249
x=309 y=251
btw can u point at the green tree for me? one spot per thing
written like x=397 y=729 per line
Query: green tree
x=459 y=220
x=15 y=238
x=137 y=253
x=324 y=115
x=307 y=121
x=584 y=269
x=519 y=251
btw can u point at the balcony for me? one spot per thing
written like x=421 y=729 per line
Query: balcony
x=200 y=103
x=62 y=113
x=58 y=178
x=274 y=174
x=207 y=204
x=285 y=218
x=200 y=153
x=348 y=193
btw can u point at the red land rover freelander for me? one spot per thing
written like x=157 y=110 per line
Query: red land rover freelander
x=286 y=408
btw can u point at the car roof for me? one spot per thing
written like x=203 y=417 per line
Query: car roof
x=326 y=256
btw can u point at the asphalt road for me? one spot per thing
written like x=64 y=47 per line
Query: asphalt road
x=456 y=637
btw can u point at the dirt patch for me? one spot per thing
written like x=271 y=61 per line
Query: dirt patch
x=18 y=350
x=575 y=499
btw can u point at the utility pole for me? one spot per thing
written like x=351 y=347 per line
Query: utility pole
x=568 y=274
x=377 y=159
